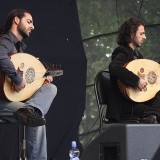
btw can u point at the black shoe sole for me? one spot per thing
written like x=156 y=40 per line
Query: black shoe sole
x=25 y=119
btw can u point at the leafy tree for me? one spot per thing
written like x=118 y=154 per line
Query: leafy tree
x=99 y=21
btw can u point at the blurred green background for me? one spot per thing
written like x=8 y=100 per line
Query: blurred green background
x=99 y=22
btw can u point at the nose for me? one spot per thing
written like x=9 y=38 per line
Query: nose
x=32 y=27
x=144 y=36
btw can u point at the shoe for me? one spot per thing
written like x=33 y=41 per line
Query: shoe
x=28 y=117
x=150 y=119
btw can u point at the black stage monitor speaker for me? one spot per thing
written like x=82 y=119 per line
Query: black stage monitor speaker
x=125 y=142
x=109 y=151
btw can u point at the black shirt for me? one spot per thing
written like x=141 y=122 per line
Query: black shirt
x=9 y=44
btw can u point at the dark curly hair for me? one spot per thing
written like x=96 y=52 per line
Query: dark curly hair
x=12 y=14
x=128 y=28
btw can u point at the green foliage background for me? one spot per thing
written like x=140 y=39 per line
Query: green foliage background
x=99 y=22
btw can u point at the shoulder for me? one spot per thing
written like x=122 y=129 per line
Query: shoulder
x=6 y=43
x=126 y=51
x=5 y=38
x=121 y=49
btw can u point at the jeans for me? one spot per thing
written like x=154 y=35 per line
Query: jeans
x=35 y=136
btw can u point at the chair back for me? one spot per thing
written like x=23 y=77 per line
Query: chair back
x=102 y=91
x=102 y=87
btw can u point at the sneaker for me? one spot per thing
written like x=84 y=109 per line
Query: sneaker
x=28 y=117
x=150 y=119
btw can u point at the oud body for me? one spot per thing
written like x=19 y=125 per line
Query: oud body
x=32 y=70
x=148 y=70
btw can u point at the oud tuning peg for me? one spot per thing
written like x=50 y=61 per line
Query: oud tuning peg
x=57 y=66
x=49 y=66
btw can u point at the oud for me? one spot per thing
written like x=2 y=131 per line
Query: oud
x=34 y=73
x=148 y=70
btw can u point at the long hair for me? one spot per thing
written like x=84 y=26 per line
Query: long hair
x=12 y=14
x=128 y=28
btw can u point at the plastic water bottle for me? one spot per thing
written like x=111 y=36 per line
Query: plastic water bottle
x=74 y=152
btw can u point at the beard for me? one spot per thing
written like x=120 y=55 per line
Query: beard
x=22 y=31
x=137 y=44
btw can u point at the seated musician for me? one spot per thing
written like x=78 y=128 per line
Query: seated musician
x=31 y=112
x=131 y=36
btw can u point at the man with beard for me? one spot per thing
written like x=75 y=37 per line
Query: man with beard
x=131 y=35
x=30 y=112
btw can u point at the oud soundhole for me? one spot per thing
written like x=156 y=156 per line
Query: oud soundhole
x=30 y=75
x=152 y=77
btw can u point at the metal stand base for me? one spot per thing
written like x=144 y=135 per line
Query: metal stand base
x=22 y=143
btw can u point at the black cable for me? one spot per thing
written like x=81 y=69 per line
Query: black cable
x=89 y=132
x=152 y=25
x=84 y=146
x=90 y=85
x=99 y=35
x=140 y=8
x=117 y=12
x=113 y=33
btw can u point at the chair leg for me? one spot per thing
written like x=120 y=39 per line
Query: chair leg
x=22 y=143
x=101 y=117
x=19 y=142
x=101 y=121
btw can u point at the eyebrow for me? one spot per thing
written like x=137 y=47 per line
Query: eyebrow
x=29 y=20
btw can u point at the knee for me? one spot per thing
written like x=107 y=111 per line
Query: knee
x=52 y=89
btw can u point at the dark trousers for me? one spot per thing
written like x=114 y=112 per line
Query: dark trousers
x=150 y=107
